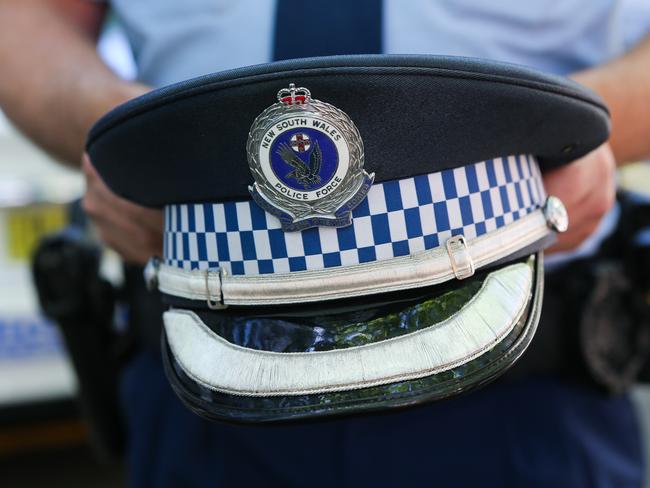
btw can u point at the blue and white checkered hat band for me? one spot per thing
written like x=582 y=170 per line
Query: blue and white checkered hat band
x=397 y=218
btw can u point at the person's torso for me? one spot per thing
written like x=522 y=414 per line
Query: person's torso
x=173 y=41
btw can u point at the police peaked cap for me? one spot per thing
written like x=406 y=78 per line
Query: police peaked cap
x=347 y=234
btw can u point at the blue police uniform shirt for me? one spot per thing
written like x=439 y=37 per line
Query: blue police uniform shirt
x=173 y=41
x=537 y=432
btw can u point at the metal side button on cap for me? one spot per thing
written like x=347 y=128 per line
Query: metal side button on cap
x=556 y=215
x=151 y=273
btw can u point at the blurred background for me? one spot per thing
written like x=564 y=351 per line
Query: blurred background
x=42 y=436
x=44 y=440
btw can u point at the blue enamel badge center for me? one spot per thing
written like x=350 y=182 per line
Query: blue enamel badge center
x=306 y=157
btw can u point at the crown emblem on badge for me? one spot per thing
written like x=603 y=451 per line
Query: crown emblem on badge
x=294 y=96
x=306 y=157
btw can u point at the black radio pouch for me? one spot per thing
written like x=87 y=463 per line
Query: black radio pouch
x=595 y=324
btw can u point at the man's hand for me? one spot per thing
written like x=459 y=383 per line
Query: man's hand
x=587 y=188
x=134 y=232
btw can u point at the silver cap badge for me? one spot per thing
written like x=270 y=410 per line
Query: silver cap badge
x=306 y=157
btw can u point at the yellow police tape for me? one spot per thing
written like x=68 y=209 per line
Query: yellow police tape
x=27 y=225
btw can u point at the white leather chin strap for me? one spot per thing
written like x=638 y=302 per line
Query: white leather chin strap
x=458 y=258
